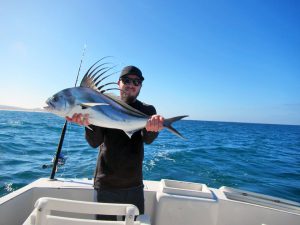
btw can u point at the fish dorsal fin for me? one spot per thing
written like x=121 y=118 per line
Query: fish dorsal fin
x=91 y=79
x=129 y=109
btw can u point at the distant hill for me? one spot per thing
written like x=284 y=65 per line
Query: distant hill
x=15 y=108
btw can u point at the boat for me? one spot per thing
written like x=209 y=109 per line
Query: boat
x=167 y=202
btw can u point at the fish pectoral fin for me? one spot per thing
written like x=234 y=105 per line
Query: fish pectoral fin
x=88 y=105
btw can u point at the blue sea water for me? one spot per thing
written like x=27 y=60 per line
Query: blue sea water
x=254 y=157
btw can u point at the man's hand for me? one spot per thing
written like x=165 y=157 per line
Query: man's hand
x=155 y=123
x=81 y=119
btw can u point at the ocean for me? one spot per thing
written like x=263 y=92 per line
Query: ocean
x=261 y=158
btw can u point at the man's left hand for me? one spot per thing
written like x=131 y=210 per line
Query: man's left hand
x=155 y=123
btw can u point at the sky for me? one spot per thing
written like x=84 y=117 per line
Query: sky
x=218 y=60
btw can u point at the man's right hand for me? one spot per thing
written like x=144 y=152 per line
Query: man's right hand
x=79 y=118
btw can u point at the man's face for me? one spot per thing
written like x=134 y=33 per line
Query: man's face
x=130 y=86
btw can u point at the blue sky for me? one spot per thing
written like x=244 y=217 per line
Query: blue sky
x=213 y=60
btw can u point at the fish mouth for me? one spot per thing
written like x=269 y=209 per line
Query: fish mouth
x=49 y=106
x=46 y=107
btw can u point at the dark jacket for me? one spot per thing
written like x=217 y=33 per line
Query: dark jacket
x=120 y=160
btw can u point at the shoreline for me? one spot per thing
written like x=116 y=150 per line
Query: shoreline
x=24 y=110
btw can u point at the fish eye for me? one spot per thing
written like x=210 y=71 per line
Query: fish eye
x=55 y=98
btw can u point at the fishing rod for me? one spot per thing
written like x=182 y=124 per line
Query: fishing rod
x=58 y=156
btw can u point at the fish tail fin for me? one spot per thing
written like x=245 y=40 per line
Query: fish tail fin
x=168 y=124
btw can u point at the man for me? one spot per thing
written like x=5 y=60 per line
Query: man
x=118 y=176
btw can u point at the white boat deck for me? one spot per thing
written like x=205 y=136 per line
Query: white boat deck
x=167 y=202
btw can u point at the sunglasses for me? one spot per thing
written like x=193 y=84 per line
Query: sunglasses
x=127 y=81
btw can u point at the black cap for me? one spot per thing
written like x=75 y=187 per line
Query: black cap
x=132 y=70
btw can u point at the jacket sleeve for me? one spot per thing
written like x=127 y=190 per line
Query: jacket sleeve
x=95 y=136
x=149 y=136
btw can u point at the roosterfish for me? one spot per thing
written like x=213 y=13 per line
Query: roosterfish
x=104 y=109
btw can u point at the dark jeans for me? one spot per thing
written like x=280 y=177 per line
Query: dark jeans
x=133 y=196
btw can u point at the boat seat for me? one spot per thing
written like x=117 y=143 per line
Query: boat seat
x=45 y=206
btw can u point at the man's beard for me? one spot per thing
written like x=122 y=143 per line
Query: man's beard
x=129 y=98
